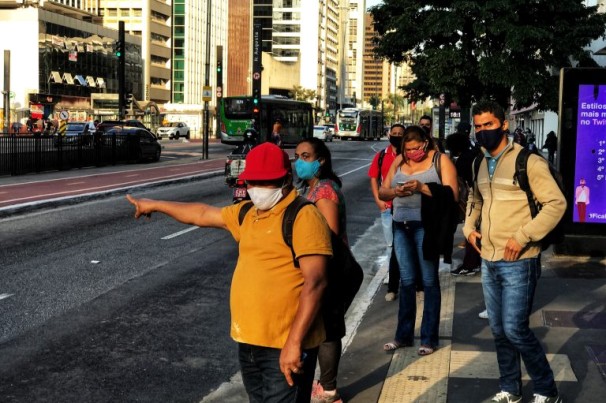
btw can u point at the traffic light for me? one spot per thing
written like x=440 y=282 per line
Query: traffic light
x=118 y=49
x=219 y=66
x=128 y=100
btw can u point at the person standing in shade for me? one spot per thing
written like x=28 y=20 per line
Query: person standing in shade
x=423 y=186
x=551 y=144
x=510 y=246
x=274 y=305
x=379 y=168
x=276 y=133
x=313 y=164
x=581 y=199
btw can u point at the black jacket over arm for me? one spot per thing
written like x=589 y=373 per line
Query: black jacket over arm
x=440 y=220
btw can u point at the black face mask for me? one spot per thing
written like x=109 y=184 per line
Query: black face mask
x=396 y=141
x=489 y=139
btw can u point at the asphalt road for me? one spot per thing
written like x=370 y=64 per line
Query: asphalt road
x=98 y=307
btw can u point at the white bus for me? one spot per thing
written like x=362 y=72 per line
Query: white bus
x=355 y=123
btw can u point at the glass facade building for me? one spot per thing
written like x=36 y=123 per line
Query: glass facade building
x=78 y=63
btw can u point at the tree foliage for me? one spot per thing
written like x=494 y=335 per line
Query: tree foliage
x=499 y=49
x=302 y=94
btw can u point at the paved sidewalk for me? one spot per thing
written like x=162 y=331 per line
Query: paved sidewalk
x=569 y=319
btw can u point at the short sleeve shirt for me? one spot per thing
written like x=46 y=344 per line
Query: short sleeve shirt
x=388 y=159
x=266 y=285
x=328 y=189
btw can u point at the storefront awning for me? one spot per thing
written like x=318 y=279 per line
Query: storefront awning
x=55 y=77
x=91 y=81
x=67 y=77
x=80 y=80
x=100 y=82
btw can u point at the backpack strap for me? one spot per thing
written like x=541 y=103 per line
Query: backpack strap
x=381 y=157
x=243 y=210
x=520 y=176
x=288 y=222
x=437 y=164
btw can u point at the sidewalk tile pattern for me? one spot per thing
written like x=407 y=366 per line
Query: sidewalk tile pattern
x=413 y=378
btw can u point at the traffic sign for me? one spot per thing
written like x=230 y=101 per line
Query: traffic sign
x=256 y=75
x=64 y=115
x=207 y=93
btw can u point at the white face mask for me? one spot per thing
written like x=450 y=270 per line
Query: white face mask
x=264 y=198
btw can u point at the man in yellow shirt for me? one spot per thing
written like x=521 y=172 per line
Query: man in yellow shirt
x=274 y=305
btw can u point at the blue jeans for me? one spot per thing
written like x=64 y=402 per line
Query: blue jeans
x=265 y=383
x=408 y=244
x=509 y=292
x=386 y=220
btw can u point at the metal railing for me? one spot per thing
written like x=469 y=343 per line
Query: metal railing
x=25 y=154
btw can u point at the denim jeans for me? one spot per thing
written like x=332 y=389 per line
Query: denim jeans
x=386 y=220
x=265 y=383
x=509 y=292
x=408 y=244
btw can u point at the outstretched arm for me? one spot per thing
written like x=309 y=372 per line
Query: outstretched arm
x=200 y=214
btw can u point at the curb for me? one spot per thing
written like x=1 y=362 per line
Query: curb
x=24 y=208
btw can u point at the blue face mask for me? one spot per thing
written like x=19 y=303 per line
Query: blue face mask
x=306 y=170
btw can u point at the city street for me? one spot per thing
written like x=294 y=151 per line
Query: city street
x=97 y=306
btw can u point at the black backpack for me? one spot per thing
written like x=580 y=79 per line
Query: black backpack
x=520 y=176
x=556 y=235
x=344 y=273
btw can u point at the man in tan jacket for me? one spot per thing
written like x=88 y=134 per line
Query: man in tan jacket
x=509 y=244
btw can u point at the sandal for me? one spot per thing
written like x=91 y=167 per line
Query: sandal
x=392 y=346
x=425 y=350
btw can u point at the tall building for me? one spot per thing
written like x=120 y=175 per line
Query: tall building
x=150 y=20
x=307 y=34
x=61 y=61
x=237 y=56
x=377 y=72
x=194 y=39
x=351 y=54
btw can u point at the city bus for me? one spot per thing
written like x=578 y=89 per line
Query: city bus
x=236 y=114
x=355 y=123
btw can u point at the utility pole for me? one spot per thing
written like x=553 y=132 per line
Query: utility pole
x=7 y=90
x=121 y=53
x=207 y=80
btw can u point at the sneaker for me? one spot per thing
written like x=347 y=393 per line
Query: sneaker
x=319 y=395
x=544 y=399
x=390 y=296
x=506 y=397
x=462 y=271
x=483 y=314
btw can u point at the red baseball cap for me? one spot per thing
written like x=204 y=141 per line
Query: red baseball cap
x=264 y=162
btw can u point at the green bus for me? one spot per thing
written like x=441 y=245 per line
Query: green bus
x=236 y=115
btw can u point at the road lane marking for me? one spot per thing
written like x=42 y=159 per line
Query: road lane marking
x=354 y=170
x=4 y=296
x=75 y=183
x=132 y=176
x=110 y=187
x=176 y=234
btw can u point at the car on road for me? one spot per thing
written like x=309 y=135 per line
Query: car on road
x=322 y=133
x=140 y=144
x=108 y=124
x=76 y=133
x=173 y=130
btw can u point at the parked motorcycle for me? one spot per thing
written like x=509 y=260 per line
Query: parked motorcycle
x=235 y=163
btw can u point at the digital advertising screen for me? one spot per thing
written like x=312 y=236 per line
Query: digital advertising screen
x=589 y=204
